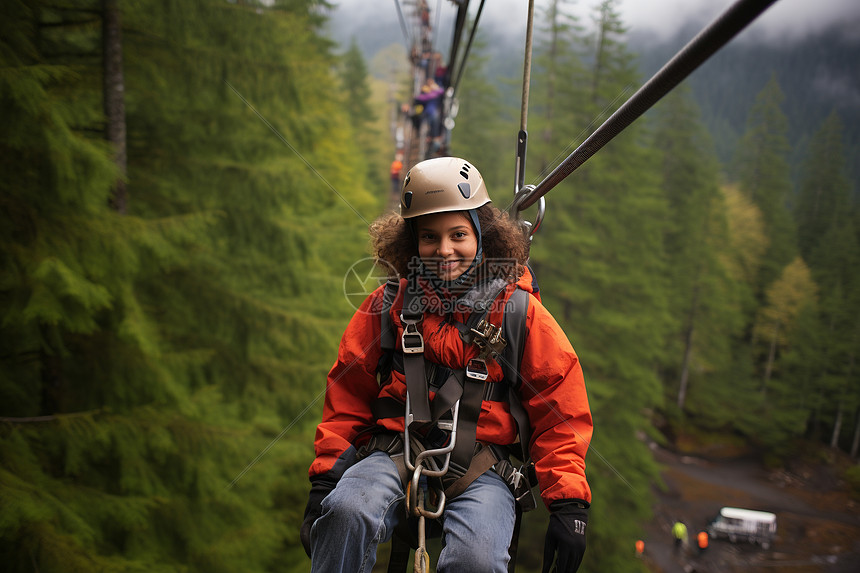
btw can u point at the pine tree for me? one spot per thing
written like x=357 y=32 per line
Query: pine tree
x=357 y=94
x=599 y=261
x=154 y=364
x=823 y=198
x=703 y=295
x=559 y=77
x=827 y=239
x=786 y=298
x=764 y=175
x=731 y=399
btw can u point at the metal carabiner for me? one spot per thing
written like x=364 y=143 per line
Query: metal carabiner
x=445 y=450
x=422 y=558
x=519 y=199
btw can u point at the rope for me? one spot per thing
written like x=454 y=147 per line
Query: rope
x=527 y=68
x=690 y=57
x=522 y=136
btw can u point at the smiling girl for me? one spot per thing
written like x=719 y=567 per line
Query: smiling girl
x=456 y=256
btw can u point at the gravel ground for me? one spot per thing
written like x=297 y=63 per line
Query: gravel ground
x=818 y=525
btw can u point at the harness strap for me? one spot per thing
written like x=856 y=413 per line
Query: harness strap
x=412 y=345
x=514 y=327
x=447 y=395
x=386 y=332
x=467 y=425
x=477 y=462
x=481 y=462
x=398 y=562
x=515 y=540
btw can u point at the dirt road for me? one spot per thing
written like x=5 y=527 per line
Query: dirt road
x=818 y=524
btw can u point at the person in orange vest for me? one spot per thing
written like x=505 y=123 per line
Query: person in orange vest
x=702 y=539
x=640 y=548
x=396 y=168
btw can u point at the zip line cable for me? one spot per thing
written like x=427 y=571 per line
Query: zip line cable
x=690 y=57
x=462 y=65
x=403 y=24
x=462 y=11
x=438 y=18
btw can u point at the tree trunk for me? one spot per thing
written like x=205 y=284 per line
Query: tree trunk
x=598 y=56
x=837 y=427
x=688 y=350
x=114 y=98
x=855 y=444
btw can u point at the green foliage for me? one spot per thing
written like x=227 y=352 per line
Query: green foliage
x=702 y=293
x=763 y=174
x=823 y=199
x=160 y=372
x=598 y=258
x=356 y=94
x=852 y=477
x=157 y=368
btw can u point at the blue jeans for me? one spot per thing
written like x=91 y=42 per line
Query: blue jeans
x=364 y=508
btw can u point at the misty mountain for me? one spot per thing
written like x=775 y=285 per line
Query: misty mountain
x=818 y=75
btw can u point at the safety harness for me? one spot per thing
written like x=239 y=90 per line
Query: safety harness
x=438 y=441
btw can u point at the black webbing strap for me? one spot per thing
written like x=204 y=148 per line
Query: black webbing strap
x=514 y=328
x=473 y=395
x=467 y=424
x=387 y=340
x=483 y=460
x=398 y=561
x=412 y=345
x=515 y=539
x=447 y=395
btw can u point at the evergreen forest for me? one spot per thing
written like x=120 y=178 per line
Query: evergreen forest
x=186 y=185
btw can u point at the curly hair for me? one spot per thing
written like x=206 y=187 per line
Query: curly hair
x=394 y=244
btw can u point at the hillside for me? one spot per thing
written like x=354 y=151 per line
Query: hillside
x=817 y=73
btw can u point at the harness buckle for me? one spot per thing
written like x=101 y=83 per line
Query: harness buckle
x=488 y=337
x=411 y=341
x=516 y=479
x=476 y=369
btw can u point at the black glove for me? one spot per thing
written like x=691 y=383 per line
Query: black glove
x=321 y=486
x=565 y=534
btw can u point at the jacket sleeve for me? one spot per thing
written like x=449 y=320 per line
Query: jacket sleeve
x=553 y=393
x=351 y=386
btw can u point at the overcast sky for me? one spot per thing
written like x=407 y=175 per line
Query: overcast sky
x=785 y=20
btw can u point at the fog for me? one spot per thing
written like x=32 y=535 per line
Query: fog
x=785 y=21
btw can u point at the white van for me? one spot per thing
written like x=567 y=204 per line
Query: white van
x=737 y=524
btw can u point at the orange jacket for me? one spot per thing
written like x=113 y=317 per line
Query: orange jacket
x=552 y=392
x=396 y=168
